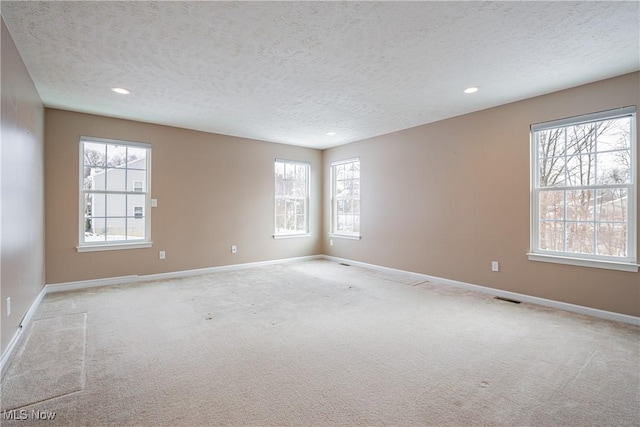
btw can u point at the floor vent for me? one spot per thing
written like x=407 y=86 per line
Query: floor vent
x=346 y=265
x=508 y=300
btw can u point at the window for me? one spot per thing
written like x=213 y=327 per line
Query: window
x=137 y=212
x=583 y=199
x=345 y=198
x=114 y=194
x=291 y=198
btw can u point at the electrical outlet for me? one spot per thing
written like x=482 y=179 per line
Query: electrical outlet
x=234 y=249
x=8 y=306
x=154 y=203
x=331 y=242
x=495 y=266
x=162 y=255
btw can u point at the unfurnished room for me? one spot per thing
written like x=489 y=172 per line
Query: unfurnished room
x=319 y=213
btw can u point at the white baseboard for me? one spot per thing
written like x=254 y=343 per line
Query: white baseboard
x=232 y=267
x=602 y=314
x=83 y=284
x=18 y=336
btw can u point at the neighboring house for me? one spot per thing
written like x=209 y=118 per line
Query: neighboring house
x=117 y=215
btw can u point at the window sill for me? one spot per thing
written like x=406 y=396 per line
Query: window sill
x=291 y=236
x=113 y=246
x=584 y=262
x=346 y=236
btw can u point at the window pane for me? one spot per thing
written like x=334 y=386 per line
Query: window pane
x=279 y=170
x=581 y=139
x=87 y=182
x=301 y=172
x=289 y=188
x=340 y=222
x=135 y=229
x=116 y=155
x=581 y=170
x=280 y=223
x=612 y=205
x=339 y=188
x=280 y=207
x=612 y=239
x=135 y=201
x=614 y=167
x=344 y=206
x=95 y=230
x=348 y=187
x=580 y=205
x=348 y=222
x=580 y=237
x=551 y=235
x=136 y=180
x=96 y=179
x=300 y=223
x=614 y=134
x=552 y=172
x=551 y=204
x=290 y=171
x=355 y=167
x=355 y=188
x=280 y=188
x=97 y=204
x=300 y=189
x=339 y=172
x=87 y=207
x=550 y=142
x=135 y=153
x=348 y=171
x=116 y=179
x=94 y=154
x=116 y=204
x=291 y=214
x=116 y=228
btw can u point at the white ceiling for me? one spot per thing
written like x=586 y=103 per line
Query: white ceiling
x=290 y=72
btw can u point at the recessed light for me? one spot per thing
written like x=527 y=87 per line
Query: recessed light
x=331 y=134
x=471 y=90
x=121 y=90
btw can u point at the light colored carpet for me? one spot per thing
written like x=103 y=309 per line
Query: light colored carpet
x=318 y=343
x=50 y=364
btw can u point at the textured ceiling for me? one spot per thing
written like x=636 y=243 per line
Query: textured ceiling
x=291 y=71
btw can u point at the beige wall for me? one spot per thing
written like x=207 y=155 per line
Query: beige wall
x=444 y=199
x=213 y=191
x=22 y=194
x=447 y=198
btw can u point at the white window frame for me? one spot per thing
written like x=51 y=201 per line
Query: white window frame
x=88 y=246
x=628 y=263
x=334 y=203
x=305 y=199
